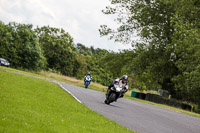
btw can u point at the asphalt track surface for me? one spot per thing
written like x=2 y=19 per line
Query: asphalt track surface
x=137 y=116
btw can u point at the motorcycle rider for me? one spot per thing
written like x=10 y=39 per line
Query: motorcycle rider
x=88 y=74
x=123 y=81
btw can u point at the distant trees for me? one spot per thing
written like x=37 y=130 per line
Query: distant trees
x=40 y=48
x=59 y=51
x=20 y=46
x=49 y=48
x=94 y=61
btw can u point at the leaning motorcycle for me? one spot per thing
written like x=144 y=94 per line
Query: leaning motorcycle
x=87 y=81
x=116 y=92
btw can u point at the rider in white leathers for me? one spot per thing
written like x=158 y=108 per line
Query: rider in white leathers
x=123 y=81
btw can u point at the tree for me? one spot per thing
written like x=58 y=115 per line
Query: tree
x=93 y=59
x=59 y=50
x=186 y=46
x=83 y=49
x=20 y=46
x=151 y=21
x=167 y=54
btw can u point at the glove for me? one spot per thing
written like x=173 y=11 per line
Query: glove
x=125 y=90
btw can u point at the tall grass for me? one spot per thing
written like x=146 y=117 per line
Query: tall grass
x=32 y=105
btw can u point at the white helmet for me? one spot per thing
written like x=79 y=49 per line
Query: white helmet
x=124 y=78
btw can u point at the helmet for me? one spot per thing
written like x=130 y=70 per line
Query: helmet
x=124 y=78
x=88 y=73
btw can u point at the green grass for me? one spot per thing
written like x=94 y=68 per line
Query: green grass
x=32 y=105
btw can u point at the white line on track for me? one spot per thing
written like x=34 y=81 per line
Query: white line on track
x=67 y=91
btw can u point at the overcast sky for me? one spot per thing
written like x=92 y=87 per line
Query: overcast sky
x=81 y=18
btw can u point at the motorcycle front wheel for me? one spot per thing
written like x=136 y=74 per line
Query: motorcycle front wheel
x=111 y=98
x=87 y=84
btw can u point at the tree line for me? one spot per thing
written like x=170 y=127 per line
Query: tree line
x=51 y=49
x=167 y=56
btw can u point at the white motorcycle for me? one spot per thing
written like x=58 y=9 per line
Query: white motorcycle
x=116 y=92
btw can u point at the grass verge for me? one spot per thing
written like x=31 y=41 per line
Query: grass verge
x=32 y=105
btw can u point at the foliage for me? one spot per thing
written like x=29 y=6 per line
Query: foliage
x=186 y=46
x=93 y=59
x=167 y=54
x=20 y=46
x=58 y=49
x=83 y=50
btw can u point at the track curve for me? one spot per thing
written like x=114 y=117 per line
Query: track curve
x=137 y=116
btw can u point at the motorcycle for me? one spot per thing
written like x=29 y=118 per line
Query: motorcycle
x=116 y=92
x=87 y=81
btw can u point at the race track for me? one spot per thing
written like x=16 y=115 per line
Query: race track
x=137 y=116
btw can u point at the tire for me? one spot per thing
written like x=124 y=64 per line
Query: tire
x=106 y=102
x=111 y=98
x=87 y=84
